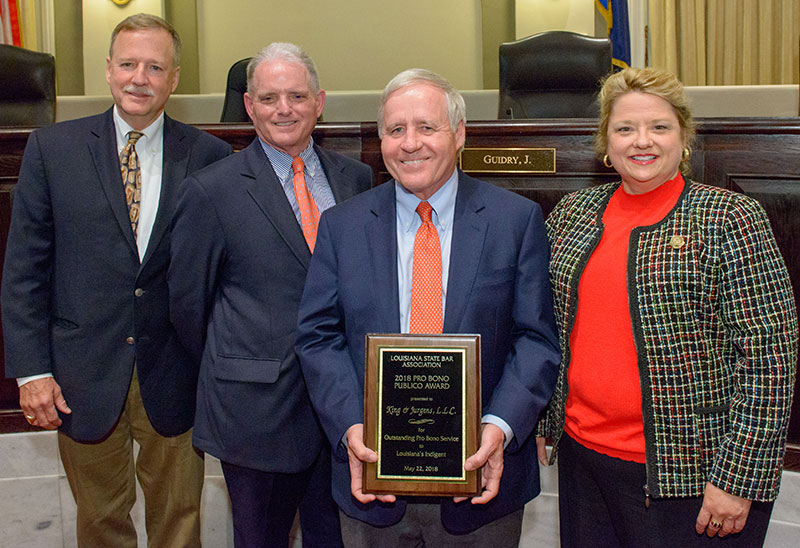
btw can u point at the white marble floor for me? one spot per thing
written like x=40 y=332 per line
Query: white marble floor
x=37 y=510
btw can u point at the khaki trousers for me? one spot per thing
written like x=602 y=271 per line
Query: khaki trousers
x=101 y=477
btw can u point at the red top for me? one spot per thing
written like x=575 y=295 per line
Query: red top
x=604 y=405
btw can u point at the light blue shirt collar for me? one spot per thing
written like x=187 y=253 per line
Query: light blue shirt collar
x=282 y=162
x=443 y=203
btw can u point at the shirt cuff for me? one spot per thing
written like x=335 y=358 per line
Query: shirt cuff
x=26 y=380
x=502 y=425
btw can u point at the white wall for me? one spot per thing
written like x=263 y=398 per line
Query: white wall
x=534 y=16
x=99 y=19
x=358 y=44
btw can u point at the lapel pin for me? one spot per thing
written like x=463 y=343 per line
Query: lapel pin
x=677 y=242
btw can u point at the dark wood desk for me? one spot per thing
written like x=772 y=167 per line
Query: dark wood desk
x=759 y=157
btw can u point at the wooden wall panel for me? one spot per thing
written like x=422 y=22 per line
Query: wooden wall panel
x=780 y=197
x=759 y=157
x=8 y=387
x=12 y=145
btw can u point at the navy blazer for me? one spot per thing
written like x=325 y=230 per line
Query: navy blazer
x=498 y=287
x=76 y=300
x=239 y=263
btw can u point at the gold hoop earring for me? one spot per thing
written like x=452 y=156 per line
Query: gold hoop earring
x=606 y=162
x=686 y=154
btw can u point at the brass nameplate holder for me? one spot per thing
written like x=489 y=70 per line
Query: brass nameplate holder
x=422 y=414
x=508 y=160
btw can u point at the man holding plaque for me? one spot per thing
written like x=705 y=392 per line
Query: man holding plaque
x=434 y=251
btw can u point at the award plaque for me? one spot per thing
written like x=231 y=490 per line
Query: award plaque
x=422 y=414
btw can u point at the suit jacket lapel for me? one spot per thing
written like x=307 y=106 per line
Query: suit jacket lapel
x=469 y=234
x=173 y=172
x=379 y=230
x=103 y=148
x=343 y=187
x=266 y=190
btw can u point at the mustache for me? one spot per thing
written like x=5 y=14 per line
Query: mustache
x=139 y=89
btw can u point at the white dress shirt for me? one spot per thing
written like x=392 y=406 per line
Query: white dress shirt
x=150 y=150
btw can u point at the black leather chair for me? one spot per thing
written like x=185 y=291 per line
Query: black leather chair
x=233 y=108
x=554 y=74
x=27 y=87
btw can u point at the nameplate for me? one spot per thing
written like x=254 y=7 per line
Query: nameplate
x=508 y=160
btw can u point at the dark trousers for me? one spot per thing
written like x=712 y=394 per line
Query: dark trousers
x=319 y=515
x=264 y=505
x=421 y=527
x=601 y=502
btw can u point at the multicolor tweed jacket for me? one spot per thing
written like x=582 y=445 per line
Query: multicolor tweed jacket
x=715 y=329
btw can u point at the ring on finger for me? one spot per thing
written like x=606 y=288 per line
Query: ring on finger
x=715 y=524
x=30 y=419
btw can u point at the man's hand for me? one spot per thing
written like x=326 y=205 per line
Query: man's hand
x=721 y=513
x=490 y=457
x=39 y=399
x=358 y=453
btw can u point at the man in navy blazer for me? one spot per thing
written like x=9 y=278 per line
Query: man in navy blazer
x=494 y=282
x=85 y=305
x=239 y=262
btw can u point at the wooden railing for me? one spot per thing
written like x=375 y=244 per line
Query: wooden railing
x=759 y=157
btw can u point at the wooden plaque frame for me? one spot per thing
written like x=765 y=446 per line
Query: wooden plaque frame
x=422 y=408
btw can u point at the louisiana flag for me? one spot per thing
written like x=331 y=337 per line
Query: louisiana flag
x=615 y=12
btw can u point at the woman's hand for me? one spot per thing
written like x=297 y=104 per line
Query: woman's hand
x=721 y=513
x=541 y=451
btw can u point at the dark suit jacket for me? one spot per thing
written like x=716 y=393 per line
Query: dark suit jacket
x=498 y=287
x=239 y=264
x=76 y=300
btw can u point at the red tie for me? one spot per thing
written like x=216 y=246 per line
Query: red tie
x=426 y=285
x=309 y=214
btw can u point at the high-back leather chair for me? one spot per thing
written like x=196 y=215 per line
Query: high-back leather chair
x=554 y=74
x=27 y=87
x=233 y=108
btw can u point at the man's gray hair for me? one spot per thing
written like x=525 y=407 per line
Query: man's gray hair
x=456 y=109
x=283 y=51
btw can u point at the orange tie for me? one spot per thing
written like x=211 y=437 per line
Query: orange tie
x=426 y=284
x=132 y=178
x=309 y=214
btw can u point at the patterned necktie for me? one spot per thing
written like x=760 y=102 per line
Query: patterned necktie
x=309 y=214
x=426 y=284
x=132 y=178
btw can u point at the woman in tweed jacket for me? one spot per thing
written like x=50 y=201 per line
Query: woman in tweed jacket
x=679 y=336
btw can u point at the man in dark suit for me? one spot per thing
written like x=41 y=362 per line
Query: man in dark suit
x=84 y=297
x=491 y=278
x=243 y=235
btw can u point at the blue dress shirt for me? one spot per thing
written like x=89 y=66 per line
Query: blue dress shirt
x=443 y=203
x=316 y=181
